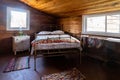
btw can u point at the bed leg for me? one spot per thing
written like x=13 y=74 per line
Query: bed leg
x=35 y=61
x=80 y=56
x=48 y=51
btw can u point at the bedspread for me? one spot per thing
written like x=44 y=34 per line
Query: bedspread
x=48 y=42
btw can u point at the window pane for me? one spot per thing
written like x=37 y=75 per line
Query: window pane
x=113 y=23
x=96 y=24
x=18 y=19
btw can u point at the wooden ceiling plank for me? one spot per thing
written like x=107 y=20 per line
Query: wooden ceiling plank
x=93 y=11
x=86 y=7
x=63 y=3
x=70 y=6
x=95 y=6
x=51 y=3
x=66 y=8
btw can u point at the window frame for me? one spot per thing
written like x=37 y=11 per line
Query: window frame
x=9 y=28
x=84 y=24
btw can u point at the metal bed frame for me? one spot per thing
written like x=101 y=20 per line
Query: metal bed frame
x=55 y=53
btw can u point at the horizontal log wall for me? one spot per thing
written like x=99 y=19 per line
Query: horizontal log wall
x=72 y=24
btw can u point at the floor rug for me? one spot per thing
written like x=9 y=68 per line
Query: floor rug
x=17 y=63
x=73 y=74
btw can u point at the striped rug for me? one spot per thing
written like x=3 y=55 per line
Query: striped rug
x=17 y=63
x=73 y=74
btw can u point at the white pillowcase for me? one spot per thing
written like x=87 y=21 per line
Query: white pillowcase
x=45 y=32
x=58 y=32
x=53 y=32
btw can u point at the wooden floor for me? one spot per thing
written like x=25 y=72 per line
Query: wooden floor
x=92 y=69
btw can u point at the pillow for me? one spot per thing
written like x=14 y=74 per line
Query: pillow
x=44 y=32
x=58 y=32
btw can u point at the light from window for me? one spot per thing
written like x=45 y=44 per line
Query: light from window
x=96 y=24
x=113 y=23
x=107 y=24
x=17 y=19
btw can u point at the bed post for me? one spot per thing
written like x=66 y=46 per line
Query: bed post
x=80 y=49
x=79 y=58
x=35 y=55
x=80 y=55
x=59 y=46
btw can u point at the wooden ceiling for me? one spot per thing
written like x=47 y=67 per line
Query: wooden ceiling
x=66 y=8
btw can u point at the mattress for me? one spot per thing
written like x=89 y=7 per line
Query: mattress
x=48 y=42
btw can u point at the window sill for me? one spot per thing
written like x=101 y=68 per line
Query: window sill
x=111 y=39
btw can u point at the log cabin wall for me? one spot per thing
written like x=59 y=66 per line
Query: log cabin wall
x=66 y=8
x=110 y=51
x=72 y=25
x=38 y=21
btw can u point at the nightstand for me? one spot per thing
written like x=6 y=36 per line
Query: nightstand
x=21 y=43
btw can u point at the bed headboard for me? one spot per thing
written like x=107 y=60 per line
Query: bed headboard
x=51 y=27
x=55 y=27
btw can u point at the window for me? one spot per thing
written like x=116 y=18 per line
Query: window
x=113 y=23
x=107 y=24
x=96 y=24
x=17 y=19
